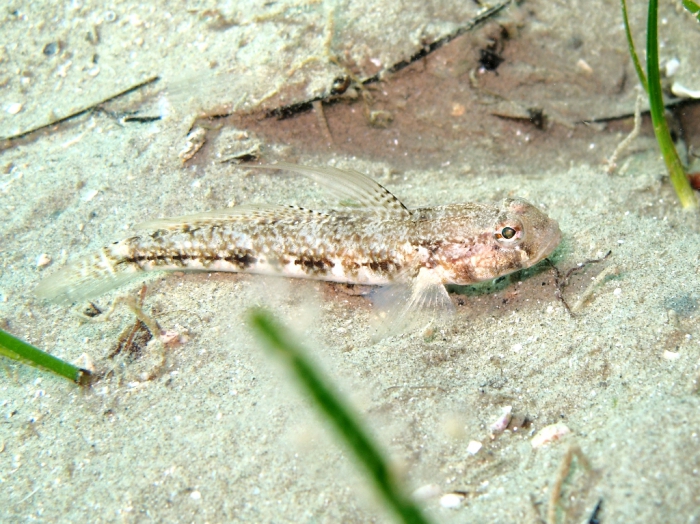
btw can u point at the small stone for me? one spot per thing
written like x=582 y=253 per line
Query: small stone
x=584 y=66
x=14 y=108
x=672 y=66
x=501 y=423
x=170 y=338
x=194 y=142
x=458 y=109
x=43 y=260
x=473 y=447
x=50 y=49
x=684 y=92
x=452 y=500
x=90 y=195
x=426 y=492
x=549 y=434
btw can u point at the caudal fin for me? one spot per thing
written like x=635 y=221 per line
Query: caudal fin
x=88 y=277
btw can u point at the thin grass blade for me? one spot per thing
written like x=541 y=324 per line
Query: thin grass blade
x=663 y=136
x=17 y=349
x=633 y=50
x=275 y=339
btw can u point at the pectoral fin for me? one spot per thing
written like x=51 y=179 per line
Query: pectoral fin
x=412 y=305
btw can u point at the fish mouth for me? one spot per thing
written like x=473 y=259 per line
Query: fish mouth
x=549 y=247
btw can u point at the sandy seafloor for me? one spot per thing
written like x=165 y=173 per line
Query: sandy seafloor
x=217 y=433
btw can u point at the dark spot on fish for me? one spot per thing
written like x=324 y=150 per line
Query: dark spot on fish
x=245 y=260
x=383 y=265
x=315 y=264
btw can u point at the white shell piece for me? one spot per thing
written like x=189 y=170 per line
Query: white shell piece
x=473 y=447
x=672 y=66
x=501 y=423
x=684 y=92
x=43 y=260
x=549 y=434
x=451 y=500
x=426 y=492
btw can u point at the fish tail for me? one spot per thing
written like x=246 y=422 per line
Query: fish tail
x=90 y=276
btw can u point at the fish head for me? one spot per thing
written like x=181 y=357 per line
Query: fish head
x=513 y=236
x=536 y=238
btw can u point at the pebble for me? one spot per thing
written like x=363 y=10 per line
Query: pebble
x=452 y=500
x=549 y=434
x=473 y=447
x=501 y=423
x=684 y=92
x=582 y=65
x=426 y=492
x=90 y=195
x=43 y=260
x=50 y=49
x=14 y=108
x=672 y=66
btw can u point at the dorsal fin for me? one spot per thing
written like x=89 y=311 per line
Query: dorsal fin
x=348 y=184
x=222 y=216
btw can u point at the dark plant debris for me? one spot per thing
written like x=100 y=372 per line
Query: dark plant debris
x=342 y=84
x=132 y=340
x=80 y=112
x=561 y=281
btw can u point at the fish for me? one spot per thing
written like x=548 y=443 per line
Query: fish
x=371 y=239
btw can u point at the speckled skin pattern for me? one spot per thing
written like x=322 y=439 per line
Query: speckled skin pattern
x=376 y=243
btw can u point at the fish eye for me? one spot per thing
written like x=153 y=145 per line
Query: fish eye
x=508 y=233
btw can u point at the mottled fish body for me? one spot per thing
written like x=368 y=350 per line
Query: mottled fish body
x=378 y=241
